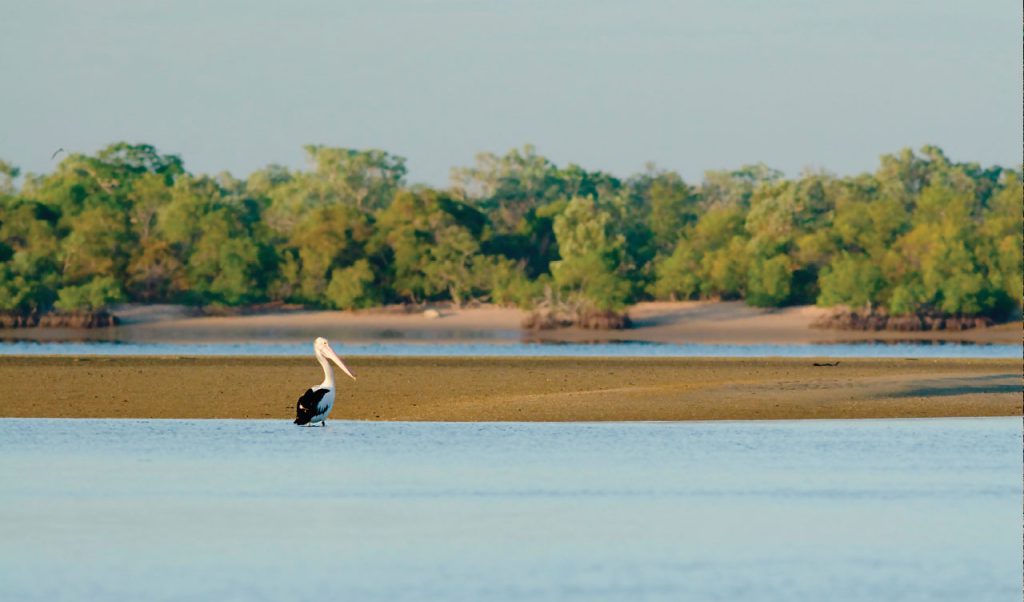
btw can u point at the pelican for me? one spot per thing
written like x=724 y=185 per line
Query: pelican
x=316 y=403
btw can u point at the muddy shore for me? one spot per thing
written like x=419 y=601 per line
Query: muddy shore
x=512 y=389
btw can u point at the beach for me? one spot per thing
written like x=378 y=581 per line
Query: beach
x=721 y=322
x=512 y=389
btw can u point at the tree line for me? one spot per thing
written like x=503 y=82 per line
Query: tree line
x=920 y=234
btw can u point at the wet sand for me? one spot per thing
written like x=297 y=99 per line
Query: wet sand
x=512 y=389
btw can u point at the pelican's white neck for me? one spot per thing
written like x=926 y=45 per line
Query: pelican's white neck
x=328 y=371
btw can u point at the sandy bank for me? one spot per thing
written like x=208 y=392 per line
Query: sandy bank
x=512 y=389
x=685 y=322
x=734 y=322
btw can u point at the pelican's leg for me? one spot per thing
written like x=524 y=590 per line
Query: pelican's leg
x=323 y=423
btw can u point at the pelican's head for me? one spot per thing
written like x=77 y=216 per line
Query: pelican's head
x=323 y=349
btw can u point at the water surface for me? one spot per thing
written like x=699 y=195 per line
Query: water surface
x=247 y=510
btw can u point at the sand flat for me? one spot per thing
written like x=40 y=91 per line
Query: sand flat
x=512 y=389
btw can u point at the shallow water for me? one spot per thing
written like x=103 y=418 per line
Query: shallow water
x=514 y=349
x=225 y=510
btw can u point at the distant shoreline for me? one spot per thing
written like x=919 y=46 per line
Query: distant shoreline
x=729 y=322
x=476 y=389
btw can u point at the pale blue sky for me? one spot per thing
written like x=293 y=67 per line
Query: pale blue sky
x=689 y=85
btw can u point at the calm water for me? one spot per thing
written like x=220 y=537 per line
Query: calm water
x=621 y=349
x=248 y=510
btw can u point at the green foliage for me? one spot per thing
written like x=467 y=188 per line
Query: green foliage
x=853 y=280
x=673 y=208
x=93 y=295
x=937 y=256
x=326 y=238
x=154 y=272
x=679 y=275
x=510 y=187
x=27 y=288
x=733 y=189
x=351 y=287
x=719 y=236
x=432 y=243
x=95 y=245
x=453 y=263
x=364 y=179
x=921 y=233
x=509 y=284
x=592 y=254
x=904 y=301
x=223 y=261
x=1000 y=244
x=8 y=173
x=769 y=282
x=29 y=247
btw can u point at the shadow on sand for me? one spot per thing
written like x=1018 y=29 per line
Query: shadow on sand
x=992 y=383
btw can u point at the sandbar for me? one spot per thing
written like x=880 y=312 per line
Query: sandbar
x=511 y=389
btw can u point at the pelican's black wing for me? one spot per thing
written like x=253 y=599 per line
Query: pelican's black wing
x=309 y=405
